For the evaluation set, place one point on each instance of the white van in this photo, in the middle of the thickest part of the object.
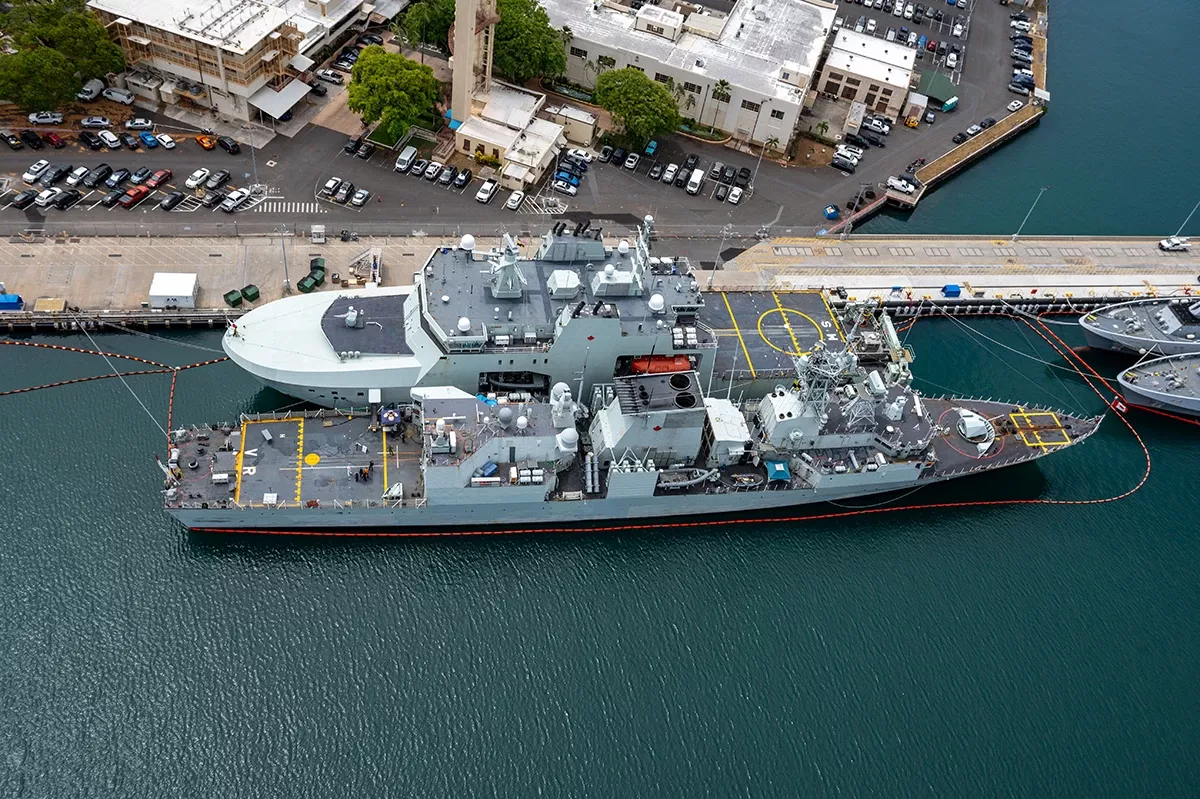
(91, 90)
(696, 181)
(404, 161)
(119, 95)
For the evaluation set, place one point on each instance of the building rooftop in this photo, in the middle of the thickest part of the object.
(508, 105)
(875, 59)
(760, 40)
(234, 25)
(532, 145)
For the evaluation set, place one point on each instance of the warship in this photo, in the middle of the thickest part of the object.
(648, 443)
(1171, 383)
(1163, 326)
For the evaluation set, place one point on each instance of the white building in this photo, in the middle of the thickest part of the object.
(869, 70)
(767, 51)
(238, 57)
(173, 290)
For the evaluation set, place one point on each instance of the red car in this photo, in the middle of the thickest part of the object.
(158, 178)
(54, 140)
(932, 46)
(134, 196)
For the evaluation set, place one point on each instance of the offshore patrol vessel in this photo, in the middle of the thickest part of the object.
(648, 443)
(1166, 326)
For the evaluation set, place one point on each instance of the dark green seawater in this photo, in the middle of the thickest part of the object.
(1045, 650)
(1026, 650)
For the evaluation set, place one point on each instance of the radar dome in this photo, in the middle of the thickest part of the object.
(468, 242)
(505, 416)
(522, 422)
(657, 303)
(609, 270)
(623, 247)
(464, 324)
(569, 437)
(560, 390)
(440, 425)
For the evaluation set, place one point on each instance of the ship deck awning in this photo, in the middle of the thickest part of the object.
(301, 63)
(276, 103)
(778, 470)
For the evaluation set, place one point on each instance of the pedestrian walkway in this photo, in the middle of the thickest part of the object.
(285, 207)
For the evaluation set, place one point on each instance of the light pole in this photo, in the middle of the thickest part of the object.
(1041, 191)
(857, 202)
(253, 160)
(287, 283)
(1189, 218)
(726, 234)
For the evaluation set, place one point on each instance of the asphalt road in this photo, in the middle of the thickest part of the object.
(786, 199)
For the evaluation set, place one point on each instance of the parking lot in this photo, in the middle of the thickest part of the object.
(879, 18)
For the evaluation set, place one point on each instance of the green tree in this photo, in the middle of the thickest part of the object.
(720, 91)
(80, 38)
(428, 22)
(527, 46)
(689, 102)
(392, 90)
(822, 128)
(39, 79)
(64, 27)
(643, 107)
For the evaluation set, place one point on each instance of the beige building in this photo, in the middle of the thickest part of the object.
(868, 70)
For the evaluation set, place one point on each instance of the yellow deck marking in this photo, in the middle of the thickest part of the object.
(786, 322)
(312, 459)
(299, 458)
(1037, 441)
(776, 347)
(837, 328)
(237, 489)
(738, 330)
(385, 459)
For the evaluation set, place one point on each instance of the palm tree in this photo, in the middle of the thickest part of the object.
(677, 92)
(771, 143)
(689, 102)
(822, 128)
(567, 34)
(590, 66)
(721, 89)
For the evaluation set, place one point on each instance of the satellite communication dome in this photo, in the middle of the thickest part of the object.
(440, 425)
(657, 303)
(522, 422)
(609, 270)
(505, 416)
(569, 437)
(445, 299)
(464, 324)
(468, 242)
(560, 390)
(623, 247)
(649, 220)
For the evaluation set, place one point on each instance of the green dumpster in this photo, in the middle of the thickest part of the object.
(250, 293)
(233, 298)
(306, 284)
(317, 263)
(318, 276)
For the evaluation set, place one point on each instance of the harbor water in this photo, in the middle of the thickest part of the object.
(1012, 650)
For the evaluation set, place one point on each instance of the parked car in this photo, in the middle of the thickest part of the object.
(360, 198)
(1017, 88)
(54, 140)
(582, 155)
(418, 168)
(841, 163)
(77, 175)
(735, 195)
(721, 193)
(1015, 105)
(606, 153)
(931, 46)
(217, 179)
(95, 122)
(343, 65)
(110, 139)
(45, 118)
(67, 198)
(951, 60)
(55, 174)
(874, 140)
(32, 140)
(172, 199)
(890, 36)
(212, 199)
(35, 171)
(847, 156)
(463, 178)
(875, 126)
(129, 140)
(856, 140)
(351, 147)
(141, 175)
(958, 31)
(488, 190)
(448, 175)
(229, 145)
(714, 171)
(565, 188)
(318, 88)
(618, 156)
(149, 140)
(112, 197)
(234, 199)
(12, 140)
(857, 152)
(987, 123)
(517, 197)
(329, 76)
(366, 150)
(1175, 244)
(90, 91)
(24, 199)
(329, 189)
(46, 196)
(159, 177)
(207, 142)
(90, 140)
(871, 25)
(434, 170)
(1021, 15)
(97, 176)
(197, 178)
(900, 185)
(117, 178)
(118, 96)
(369, 39)
(974, 130)
(743, 177)
(139, 123)
(656, 172)
(681, 180)
(632, 161)
(344, 193)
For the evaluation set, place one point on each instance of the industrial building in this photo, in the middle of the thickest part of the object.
(869, 70)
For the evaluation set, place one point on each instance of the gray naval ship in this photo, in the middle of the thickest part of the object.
(638, 448)
(1171, 384)
(1164, 326)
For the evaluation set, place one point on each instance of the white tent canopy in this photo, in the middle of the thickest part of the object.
(275, 104)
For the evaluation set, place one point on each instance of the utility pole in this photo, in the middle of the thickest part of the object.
(253, 161)
(287, 283)
(1041, 191)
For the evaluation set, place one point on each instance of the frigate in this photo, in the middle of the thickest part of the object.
(1162, 326)
(1171, 383)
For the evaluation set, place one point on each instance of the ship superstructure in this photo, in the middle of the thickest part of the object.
(640, 446)
(1166, 326)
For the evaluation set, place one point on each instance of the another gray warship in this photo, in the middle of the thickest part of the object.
(1170, 384)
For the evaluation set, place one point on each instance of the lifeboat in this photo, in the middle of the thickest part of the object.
(661, 364)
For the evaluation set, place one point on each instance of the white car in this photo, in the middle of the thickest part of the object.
(1019, 24)
(45, 118)
(47, 197)
(514, 200)
(912, 39)
(951, 60)
(958, 31)
(139, 123)
(166, 141)
(118, 95)
(735, 195)
(329, 76)
(898, 11)
(487, 191)
(562, 187)
(1016, 105)
(908, 11)
(197, 178)
(233, 200)
(433, 170)
(871, 26)
(853, 159)
(329, 189)
(850, 149)
(631, 162)
(1175, 244)
(77, 174)
(670, 172)
(95, 122)
(902, 186)
(582, 155)
(35, 172)
(110, 139)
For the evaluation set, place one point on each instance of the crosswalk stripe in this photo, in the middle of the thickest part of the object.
(280, 207)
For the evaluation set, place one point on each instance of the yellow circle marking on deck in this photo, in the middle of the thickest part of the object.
(789, 311)
(312, 459)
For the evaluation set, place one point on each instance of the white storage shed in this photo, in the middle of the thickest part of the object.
(173, 290)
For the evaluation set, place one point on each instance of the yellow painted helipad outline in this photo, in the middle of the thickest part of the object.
(784, 312)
